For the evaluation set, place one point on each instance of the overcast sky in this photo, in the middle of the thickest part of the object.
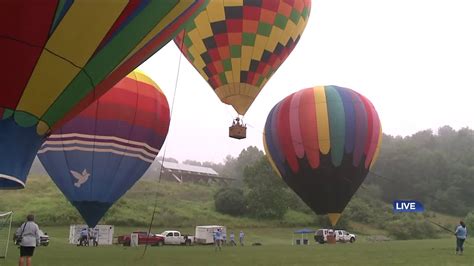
(414, 59)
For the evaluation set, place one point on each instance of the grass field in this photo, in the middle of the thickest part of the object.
(276, 249)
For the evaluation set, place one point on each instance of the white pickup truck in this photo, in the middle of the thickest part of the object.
(341, 236)
(176, 238)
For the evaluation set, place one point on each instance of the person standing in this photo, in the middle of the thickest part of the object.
(94, 236)
(224, 238)
(84, 237)
(28, 232)
(232, 239)
(461, 235)
(241, 237)
(218, 239)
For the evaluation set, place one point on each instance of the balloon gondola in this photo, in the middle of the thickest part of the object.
(238, 130)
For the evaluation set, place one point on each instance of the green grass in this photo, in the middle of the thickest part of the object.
(180, 205)
(276, 250)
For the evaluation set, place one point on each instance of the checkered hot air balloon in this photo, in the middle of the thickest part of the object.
(99, 154)
(322, 141)
(56, 57)
(237, 45)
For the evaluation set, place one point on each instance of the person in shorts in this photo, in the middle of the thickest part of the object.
(28, 232)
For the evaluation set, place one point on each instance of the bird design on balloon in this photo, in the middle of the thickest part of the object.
(81, 177)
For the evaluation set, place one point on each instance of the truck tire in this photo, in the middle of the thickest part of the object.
(352, 240)
(160, 243)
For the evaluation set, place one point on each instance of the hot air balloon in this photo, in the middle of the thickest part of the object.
(237, 45)
(322, 141)
(99, 154)
(56, 57)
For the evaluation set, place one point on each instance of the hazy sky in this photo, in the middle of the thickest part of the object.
(414, 59)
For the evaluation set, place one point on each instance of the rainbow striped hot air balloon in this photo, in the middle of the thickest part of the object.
(56, 57)
(322, 141)
(99, 154)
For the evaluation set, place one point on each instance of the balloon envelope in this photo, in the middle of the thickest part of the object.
(98, 155)
(237, 45)
(322, 142)
(57, 57)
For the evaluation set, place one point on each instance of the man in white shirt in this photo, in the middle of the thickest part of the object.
(241, 238)
(94, 236)
(218, 239)
(232, 239)
(84, 237)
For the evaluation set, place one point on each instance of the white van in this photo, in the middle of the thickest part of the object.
(205, 233)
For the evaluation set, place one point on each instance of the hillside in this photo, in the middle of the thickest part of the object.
(181, 205)
(177, 205)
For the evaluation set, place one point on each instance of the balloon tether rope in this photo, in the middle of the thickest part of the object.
(166, 146)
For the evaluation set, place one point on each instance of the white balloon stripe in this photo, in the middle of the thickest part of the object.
(76, 148)
(55, 137)
(101, 144)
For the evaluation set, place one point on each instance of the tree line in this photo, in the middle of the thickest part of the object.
(434, 168)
